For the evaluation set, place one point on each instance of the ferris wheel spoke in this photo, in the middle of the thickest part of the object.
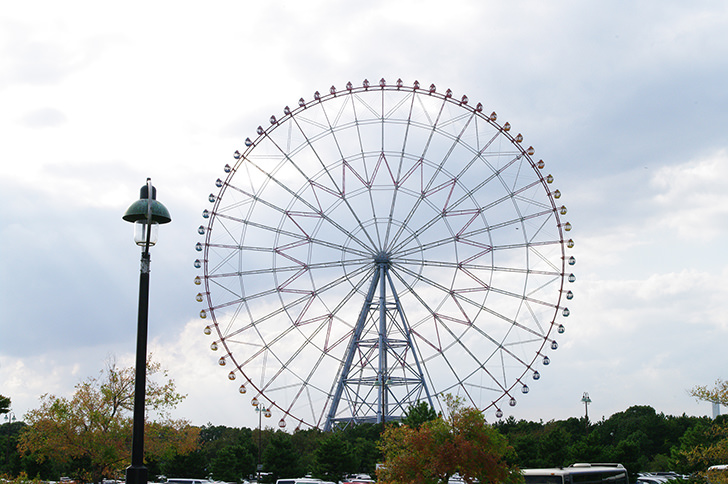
(367, 179)
(366, 274)
(508, 223)
(465, 237)
(503, 350)
(290, 268)
(458, 295)
(288, 305)
(254, 323)
(455, 141)
(435, 285)
(432, 129)
(263, 349)
(316, 212)
(298, 237)
(477, 155)
(436, 346)
(534, 250)
(476, 267)
(445, 215)
(483, 210)
(286, 364)
(442, 322)
(339, 189)
(305, 385)
(547, 283)
(402, 157)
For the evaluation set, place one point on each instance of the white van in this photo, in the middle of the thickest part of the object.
(300, 480)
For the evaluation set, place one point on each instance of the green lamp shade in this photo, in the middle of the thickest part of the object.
(138, 211)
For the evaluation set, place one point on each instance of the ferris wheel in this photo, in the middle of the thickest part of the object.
(381, 245)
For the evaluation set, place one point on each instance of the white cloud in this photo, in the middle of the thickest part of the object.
(692, 198)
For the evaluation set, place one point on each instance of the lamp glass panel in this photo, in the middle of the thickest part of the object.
(140, 233)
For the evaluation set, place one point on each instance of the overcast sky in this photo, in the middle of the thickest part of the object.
(626, 101)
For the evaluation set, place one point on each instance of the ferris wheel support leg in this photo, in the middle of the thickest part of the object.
(408, 334)
(351, 350)
(382, 373)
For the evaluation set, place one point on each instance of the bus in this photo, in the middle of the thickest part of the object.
(578, 474)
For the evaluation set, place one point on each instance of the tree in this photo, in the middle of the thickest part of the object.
(4, 404)
(227, 453)
(304, 443)
(713, 448)
(418, 414)
(332, 458)
(704, 446)
(232, 463)
(717, 394)
(461, 443)
(10, 459)
(280, 459)
(92, 429)
(365, 454)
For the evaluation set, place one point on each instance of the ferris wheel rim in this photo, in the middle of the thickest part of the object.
(289, 114)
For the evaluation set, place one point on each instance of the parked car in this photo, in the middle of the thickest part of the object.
(650, 479)
(188, 480)
(358, 479)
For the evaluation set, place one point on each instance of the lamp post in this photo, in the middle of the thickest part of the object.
(260, 408)
(586, 401)
(146, 214)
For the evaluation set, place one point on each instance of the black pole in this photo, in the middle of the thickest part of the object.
(258, 465)
(137, 473)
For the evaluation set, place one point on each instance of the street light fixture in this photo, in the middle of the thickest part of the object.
(586, 401)
(146, 214)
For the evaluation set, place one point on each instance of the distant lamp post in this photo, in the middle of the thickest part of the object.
(586, 401)
(260, 408)
(146, 214)
(9, 417)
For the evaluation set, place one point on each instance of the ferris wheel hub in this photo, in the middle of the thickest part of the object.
(382, 258)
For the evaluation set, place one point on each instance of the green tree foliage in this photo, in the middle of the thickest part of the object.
(230, 453)
(712, 447)
(226, 465)
(305, 443)
(212, 458)
(418, 414)
(639, 438)
(280, 459)
(462, 443)
(11, 463)
(365, 453)
(4, 404)
(92, 429)
(333, 458)
(704, 446)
